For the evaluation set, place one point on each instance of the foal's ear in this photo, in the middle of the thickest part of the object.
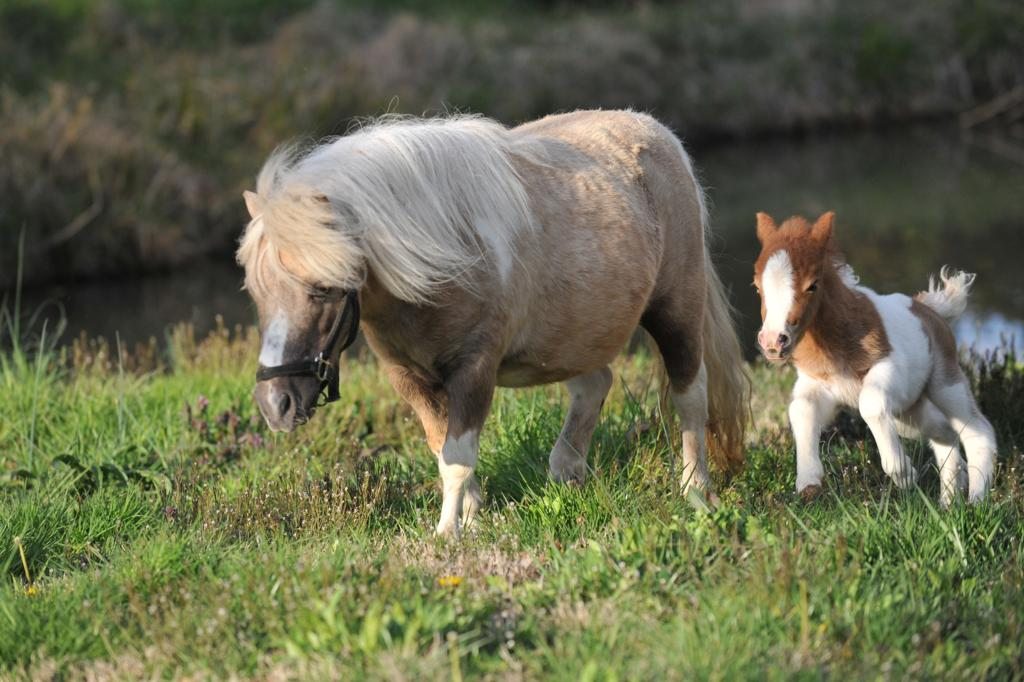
(253, 202)
(765, 227)
(822, 229)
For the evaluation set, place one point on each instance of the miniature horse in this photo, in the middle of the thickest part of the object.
(479, 256)
(893, 357)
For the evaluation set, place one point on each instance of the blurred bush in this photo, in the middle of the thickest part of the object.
(131, 127)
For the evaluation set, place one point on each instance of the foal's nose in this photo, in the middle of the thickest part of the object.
(773, 342)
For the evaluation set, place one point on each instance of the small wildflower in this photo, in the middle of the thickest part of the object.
(449, 581)
(31, 590)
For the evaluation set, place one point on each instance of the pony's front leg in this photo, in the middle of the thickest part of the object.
(469, 390)
(877, 408)
(811, 409)
(567, 462)
(430, 402)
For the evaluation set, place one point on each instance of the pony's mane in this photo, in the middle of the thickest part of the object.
(845, 271)
(799, 230)
(421, 202)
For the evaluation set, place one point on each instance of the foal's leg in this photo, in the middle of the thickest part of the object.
(430, 404)
(877, 407)
(930, 422)
(810, 411)
(568, 459)
(469, 389)
(956, 402)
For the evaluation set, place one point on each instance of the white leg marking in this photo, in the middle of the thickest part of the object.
(976, 433)
(777, 287)
(274, 338)
(927, 420)
(456, 463)
(471, 500)
(472, 497)
(980, 443)
(950, 463)
(568, 459)
(876, 404)
(692, 406)
(811, 410)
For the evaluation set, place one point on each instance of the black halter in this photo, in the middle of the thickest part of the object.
(321, 367)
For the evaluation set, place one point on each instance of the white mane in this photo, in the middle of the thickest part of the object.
(419, 201)
(846, 273)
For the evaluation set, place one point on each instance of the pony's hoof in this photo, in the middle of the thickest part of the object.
(702, 498)
(906, 480)
(572, 473)
(809, 493)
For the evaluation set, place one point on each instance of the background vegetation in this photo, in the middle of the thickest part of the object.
(131, 126)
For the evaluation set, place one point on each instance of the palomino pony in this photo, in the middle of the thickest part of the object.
(480, 256)
(893, 357)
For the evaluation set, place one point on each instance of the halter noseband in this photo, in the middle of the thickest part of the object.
(321, 367)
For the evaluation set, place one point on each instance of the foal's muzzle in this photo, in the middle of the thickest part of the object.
(775, 346)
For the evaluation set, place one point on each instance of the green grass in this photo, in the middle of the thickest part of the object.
(148, 531)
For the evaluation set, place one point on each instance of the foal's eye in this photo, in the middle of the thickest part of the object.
(813, 287)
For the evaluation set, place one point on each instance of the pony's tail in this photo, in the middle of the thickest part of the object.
(728, 386)
(948, 296)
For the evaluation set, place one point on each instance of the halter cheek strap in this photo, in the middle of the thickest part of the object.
(322, 367)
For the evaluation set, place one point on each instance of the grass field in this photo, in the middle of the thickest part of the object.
(150, 526)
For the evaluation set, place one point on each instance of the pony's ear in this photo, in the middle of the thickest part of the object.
(253, 202)
(822, 229)
(765, 227)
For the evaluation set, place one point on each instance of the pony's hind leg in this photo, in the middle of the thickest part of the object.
(927, 420)
(691, 403)
(679, 339)
(568, 459)
(979, 440)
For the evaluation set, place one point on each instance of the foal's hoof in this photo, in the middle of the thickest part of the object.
(810, 493)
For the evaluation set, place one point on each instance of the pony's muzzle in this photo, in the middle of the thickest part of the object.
(280, 403)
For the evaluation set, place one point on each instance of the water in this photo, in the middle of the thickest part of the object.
(907, 202)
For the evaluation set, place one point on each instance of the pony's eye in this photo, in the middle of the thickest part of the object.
(319, 293)
(813, 287)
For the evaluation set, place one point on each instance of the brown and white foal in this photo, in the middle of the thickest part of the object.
(893, 357)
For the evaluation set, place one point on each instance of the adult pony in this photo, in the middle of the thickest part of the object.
(479, 256)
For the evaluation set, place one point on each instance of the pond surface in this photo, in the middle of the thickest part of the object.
(907, 202)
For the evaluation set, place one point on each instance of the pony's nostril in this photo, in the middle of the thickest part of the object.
(783, 340)
(283, 404)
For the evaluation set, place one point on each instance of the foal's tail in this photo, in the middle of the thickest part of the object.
(948, 297)
(728, 384)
